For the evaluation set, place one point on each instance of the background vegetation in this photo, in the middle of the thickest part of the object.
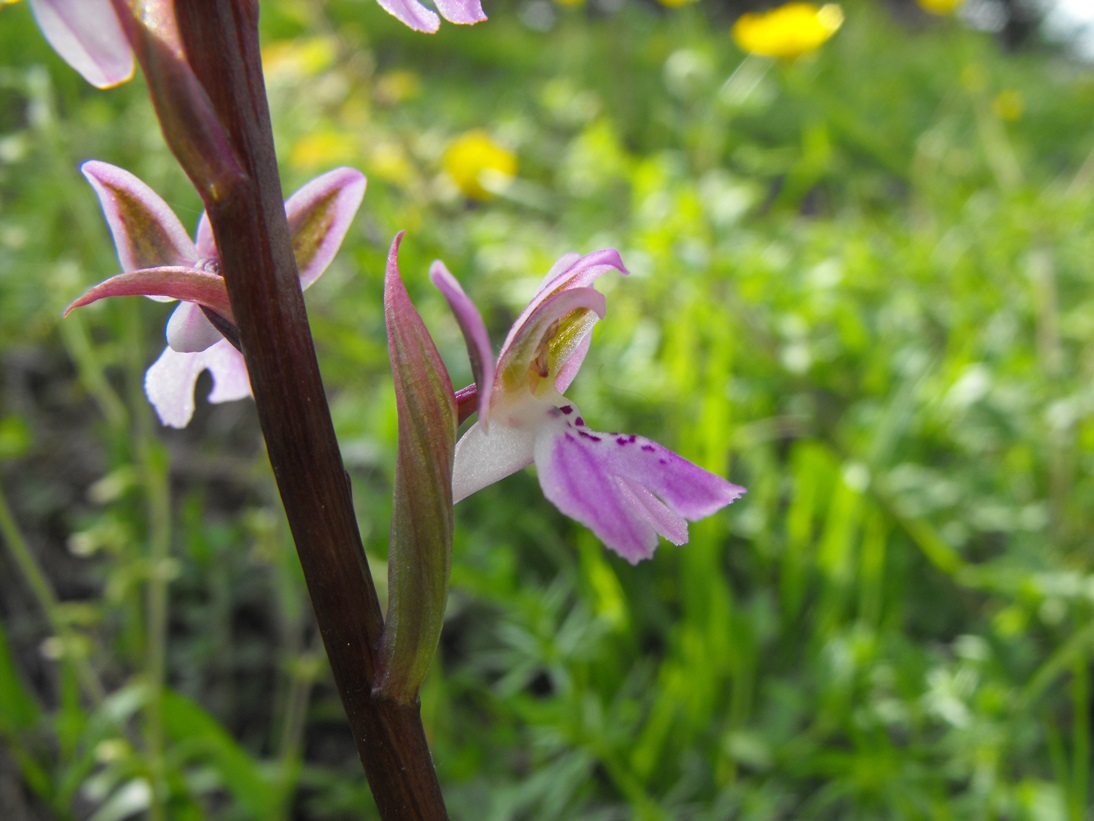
(860, 287)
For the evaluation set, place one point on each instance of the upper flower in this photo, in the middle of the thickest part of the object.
(940, 6)
(788, 31)
(161, 260)
(626, 488)
(419, 18)
(88, 36)
(478, 165)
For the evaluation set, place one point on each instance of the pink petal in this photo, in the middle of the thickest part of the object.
(419, 18)
(571, 271)
(230, 378)
(670, 525)
(562, 264)
(88, 36)
(188, 330)
(319, 215)
(412, 14)
(474, 334)
(146, 231)
(625, 488)
(170, 382)
(204, 240)
(461, 11)
(188, 284)
(572, 364)
(558, 326)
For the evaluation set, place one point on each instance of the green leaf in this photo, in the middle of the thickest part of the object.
(204, 737)
(18, 708)
(420, 551)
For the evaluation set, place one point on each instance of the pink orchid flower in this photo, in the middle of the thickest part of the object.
(161, 261)
(418, 17)
(88, 36)
(627, 489)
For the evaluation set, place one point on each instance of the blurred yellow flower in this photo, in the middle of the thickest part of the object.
(324, 148)
(940, 6)
(675, 4)
(974, 78)
(389, 160)
(398, 86)
(301, 57)
(1008, 105)
(478, 165)
(788, 31)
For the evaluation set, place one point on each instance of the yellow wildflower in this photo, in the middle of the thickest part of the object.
(974, 78)
(478, 165)
(940, 6)
(1008, 105)
(788, 31)
(294, 59)
(324, 148)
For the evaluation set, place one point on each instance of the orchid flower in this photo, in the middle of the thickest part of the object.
(161, 261)
(418, 17)
(88, 36)
(627, 489)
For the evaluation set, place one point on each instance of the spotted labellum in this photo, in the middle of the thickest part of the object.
(627, 489)
(161, 261)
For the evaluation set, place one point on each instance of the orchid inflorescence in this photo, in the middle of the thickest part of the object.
(625, 488)
(241, 316)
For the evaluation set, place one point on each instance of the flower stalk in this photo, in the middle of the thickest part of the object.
(260, 273)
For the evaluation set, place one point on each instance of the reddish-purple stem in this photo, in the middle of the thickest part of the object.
(248, 218)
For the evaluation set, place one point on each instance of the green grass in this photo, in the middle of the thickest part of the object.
(857, 290)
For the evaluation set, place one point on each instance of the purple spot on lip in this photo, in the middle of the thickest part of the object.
(567, 409)
(662, 461)
(631, 438)
(588, 436)
(580, 421)
(622, 440)
(649, 448)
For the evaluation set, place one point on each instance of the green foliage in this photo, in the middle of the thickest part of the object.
(860, 288)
